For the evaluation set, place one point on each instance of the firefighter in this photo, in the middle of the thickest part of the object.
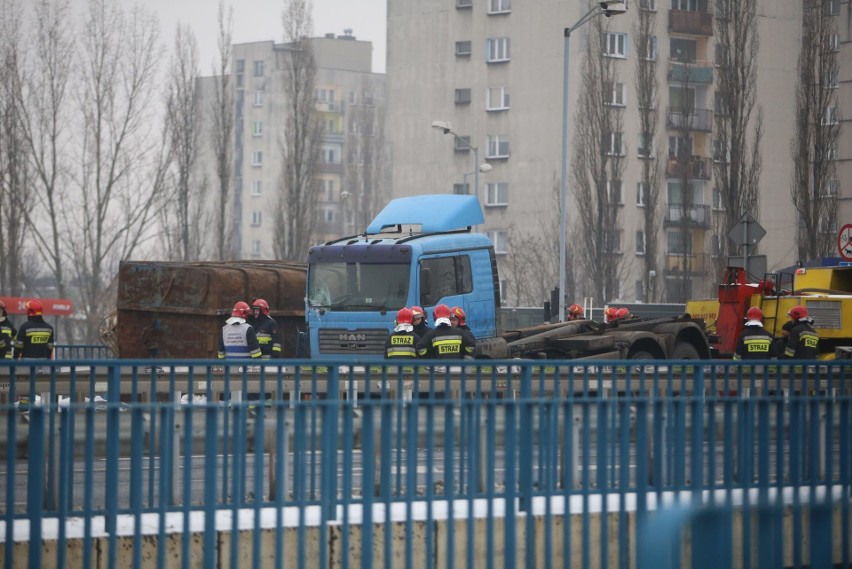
(623, 313)
(403, 341)
(611, 314)
(575, 312)
(420, 324)
(444, 341)
(7, 333)
(35, 338)
(457, 319)
(266, 330)
(238, 339)
(780, 343)
(803, 343)
(755, 342)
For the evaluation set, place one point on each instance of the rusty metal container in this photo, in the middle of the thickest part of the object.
(177, 309)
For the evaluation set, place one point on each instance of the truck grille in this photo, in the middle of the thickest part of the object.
(362, 341)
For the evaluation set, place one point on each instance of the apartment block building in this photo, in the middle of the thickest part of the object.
(493, 70)
(349, 99)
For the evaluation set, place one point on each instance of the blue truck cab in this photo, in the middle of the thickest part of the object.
(418, 251)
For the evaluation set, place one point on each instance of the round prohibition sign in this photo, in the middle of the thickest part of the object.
(844, 242)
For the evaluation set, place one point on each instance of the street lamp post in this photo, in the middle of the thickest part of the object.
(448, 129)
(607, 8)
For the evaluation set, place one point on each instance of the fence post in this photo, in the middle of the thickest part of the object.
(112, 451)
(35, 486)
(329, 437)
(526, 462)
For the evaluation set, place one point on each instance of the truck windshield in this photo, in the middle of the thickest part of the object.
(356, 286)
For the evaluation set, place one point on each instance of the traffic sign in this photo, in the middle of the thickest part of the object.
(844, 242)
(747, 231)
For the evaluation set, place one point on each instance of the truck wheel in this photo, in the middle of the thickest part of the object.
(685, 351)
(642, 355)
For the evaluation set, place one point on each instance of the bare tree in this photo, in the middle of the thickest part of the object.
(183, 216)
(118, 184)
(532, 261)
(300, 140)
(817, 128)
(366, 163)
(737, 132)
(222, 140)
(645, 81)
(597, 166)
(46, 100)
(14, 163)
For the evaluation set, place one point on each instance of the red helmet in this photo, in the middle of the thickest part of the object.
(404, 316)
(754, 313)
(457, 312)
(262, 305)
(611, 314)
(34, 308)
(798, 312)
(441, 311)
(623, 312)
(3, 306)
(418, 311)
(575, 311)
(241, 310)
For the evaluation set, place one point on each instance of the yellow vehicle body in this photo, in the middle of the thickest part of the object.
(826, 292)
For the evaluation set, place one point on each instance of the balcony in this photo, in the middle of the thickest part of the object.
(696, 72)
(696, 22)
(694, 120)
(695, 168)
(697, 216)
(691, 264)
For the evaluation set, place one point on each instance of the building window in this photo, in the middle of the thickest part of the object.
(460, 189)
(641, 194)
(830, 80)
(651, 51)
(461, 144)
(499, 6)
(329, 156)
(500, 239)
(497, 194)
(650, 5)
(257, 188)
(718, 202)
(462, 96)
(678, 242)
(497, 99)
(353, 97)
(721, 153)
(463, 48)
(329, 186)
(829, 117)
(680, 145)
(832, 188)
(615, 94)
(831, 152)
(258, 68)
(615, 44)
(640, 242)
(834, 42)
(645, 145)
(240, 82)
(256, 158)
(460, 4)
(639, 286)
(613, 143)
(241, 66)
(612, 241)
(258, 129)
(255, 218)
(832, 8)
(496, 50)
(255, 247)
(682, 50)
(686, 5)
(615, 191)
(498, 146)
(258, 98)
(329, 216)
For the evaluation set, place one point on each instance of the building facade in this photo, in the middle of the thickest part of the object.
(493, 70)
(349, 102)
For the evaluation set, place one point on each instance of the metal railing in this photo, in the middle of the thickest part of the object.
(428, 464)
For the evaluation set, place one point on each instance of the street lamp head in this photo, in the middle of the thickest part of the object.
(443, 125)
(485, 168)
(613, 7)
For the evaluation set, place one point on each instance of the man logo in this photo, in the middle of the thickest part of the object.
(352, 337)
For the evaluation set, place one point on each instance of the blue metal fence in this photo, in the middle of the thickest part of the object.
(504, 464)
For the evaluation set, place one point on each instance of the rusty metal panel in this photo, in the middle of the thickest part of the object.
(176, 310)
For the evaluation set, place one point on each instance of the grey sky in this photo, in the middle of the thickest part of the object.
(258, 20)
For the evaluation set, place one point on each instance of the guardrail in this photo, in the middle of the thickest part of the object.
(499, 463)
